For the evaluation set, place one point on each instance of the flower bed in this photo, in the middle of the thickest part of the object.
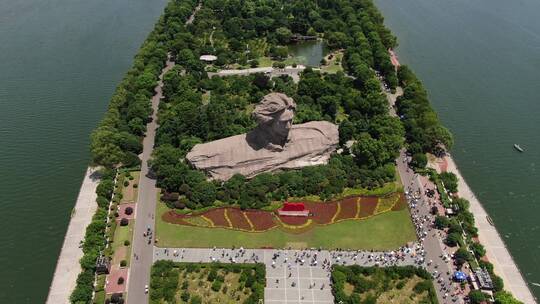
(238, 220)
(401, 203)
(322, 212)
(348, 209)
(368, 205)
(261, 220)
(294, 220)
(217, 216)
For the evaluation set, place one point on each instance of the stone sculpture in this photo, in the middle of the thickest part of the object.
(275, 144)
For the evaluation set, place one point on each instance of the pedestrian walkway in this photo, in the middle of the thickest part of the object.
(68, 267)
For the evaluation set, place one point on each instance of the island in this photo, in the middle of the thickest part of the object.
(219, 126)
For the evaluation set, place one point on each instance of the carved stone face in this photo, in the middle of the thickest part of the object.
(282, 123)
(275, 114)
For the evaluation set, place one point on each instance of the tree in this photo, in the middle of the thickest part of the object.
(450, 181)
(283, 35)
(453, 239)
(441, 222)
(478, 249)
(462, 256)
(504, 297)
(204, 193)
(477, 297)
(419, 160)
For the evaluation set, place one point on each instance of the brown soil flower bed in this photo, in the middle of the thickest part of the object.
(217, 216)
(174, 218)
(237, 219)
(368, 205)
(348, 208)
(401, 204)
(261, 220)
(322, 212)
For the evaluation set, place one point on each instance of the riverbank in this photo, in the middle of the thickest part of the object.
(496, 251)
(68, 267)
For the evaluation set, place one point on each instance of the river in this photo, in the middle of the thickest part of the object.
(480, 62)
(60, 62)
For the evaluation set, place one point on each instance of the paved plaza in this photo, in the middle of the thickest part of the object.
(294, 276)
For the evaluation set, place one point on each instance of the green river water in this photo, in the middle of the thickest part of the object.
(480, 61)
(60, 61)
(59, 64)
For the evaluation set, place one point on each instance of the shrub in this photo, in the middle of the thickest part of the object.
(170, 196)
(127, 243)
(419, 160)
(128, 211)
(135, 186)
(126, 183)
(450, 181)
(216, 286)
(123, 263)
(196, 300)
(179, 205)
(462, 256)
(441, 222)
(115, 298)
(120, 280)
(477, 297)
(185, 296)
(453, 239)
(254, 63)
(478, 249)
(131, 177)
(124, 222)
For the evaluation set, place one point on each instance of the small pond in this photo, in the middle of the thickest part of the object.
(308, 53)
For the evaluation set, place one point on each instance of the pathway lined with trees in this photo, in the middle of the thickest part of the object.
(142, 253)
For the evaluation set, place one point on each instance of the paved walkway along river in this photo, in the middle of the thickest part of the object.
(68, 267)
(496, 251)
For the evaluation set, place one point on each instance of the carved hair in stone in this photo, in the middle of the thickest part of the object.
(274, 114)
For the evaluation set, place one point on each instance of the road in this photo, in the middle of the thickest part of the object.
(142, 252)
(293, 72)
(141, 260)
(433, 244)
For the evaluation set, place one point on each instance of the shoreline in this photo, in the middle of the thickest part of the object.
(67, 266)
(496, 250)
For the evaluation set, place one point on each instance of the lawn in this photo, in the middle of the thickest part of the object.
(129, 193)
(122, 234)
(382, 232)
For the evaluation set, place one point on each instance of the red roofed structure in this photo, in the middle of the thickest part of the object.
(293, 209)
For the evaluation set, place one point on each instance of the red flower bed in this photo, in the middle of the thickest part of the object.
(217, 216)
(174, 218)
(401, 203)
(261, 220)
(322, 212)
(237, 219)
(294, 220)
(348, 208)
(368, 205)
